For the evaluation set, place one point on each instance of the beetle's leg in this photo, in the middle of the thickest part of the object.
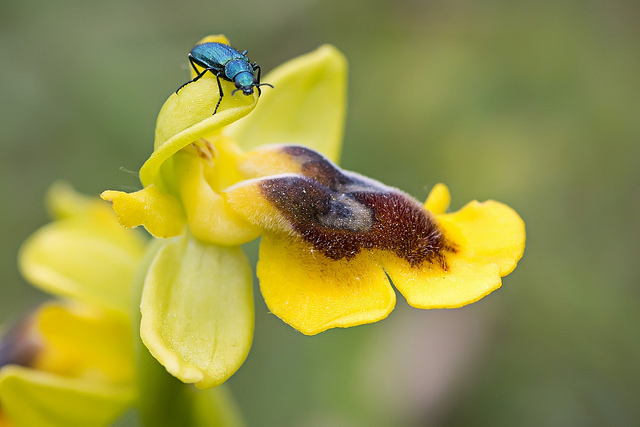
(257, 84)
(221, 94)
(198, 74)
(256, 67)
(194, 79)
(192, 64)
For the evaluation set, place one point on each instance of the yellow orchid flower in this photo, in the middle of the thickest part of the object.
(197, 302)
(72, 362)
(67, 365)
(331, 240)
(181, 184)
(332, 237)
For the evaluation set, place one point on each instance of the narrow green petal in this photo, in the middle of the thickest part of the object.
(34, 398)
(197, 310)
(307, 105)
(89, 260)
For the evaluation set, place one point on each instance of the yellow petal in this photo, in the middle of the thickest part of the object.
(438, 199)
(197, 310)
(78, 342)
(160, 213)
(494, 233)
(35, 398)
(488, 239)
(431, 287)
(210, 218)
(313, 293)
(88, 259)
(307, 105)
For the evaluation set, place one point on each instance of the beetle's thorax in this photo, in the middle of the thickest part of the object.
(235, 67)
(241, 73)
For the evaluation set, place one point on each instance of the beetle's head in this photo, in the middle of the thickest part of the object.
(244, 82)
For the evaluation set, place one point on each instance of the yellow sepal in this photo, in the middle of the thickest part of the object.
(197, 310)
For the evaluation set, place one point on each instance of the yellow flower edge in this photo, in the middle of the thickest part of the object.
(493, 232)
(489, 239)
(80, 372)
(313, 293)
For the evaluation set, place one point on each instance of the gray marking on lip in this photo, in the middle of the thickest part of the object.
(346, 213)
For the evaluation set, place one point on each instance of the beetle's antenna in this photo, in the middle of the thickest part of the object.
(262, 84)
(256, 86)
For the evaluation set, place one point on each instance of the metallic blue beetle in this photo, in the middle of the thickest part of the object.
(225, 62)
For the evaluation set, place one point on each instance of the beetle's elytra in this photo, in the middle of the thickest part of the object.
(227, 63)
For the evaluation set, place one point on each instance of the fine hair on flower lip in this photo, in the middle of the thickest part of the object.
(376, 220)
(341, 213)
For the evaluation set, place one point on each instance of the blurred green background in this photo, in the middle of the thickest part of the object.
(536, 104)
